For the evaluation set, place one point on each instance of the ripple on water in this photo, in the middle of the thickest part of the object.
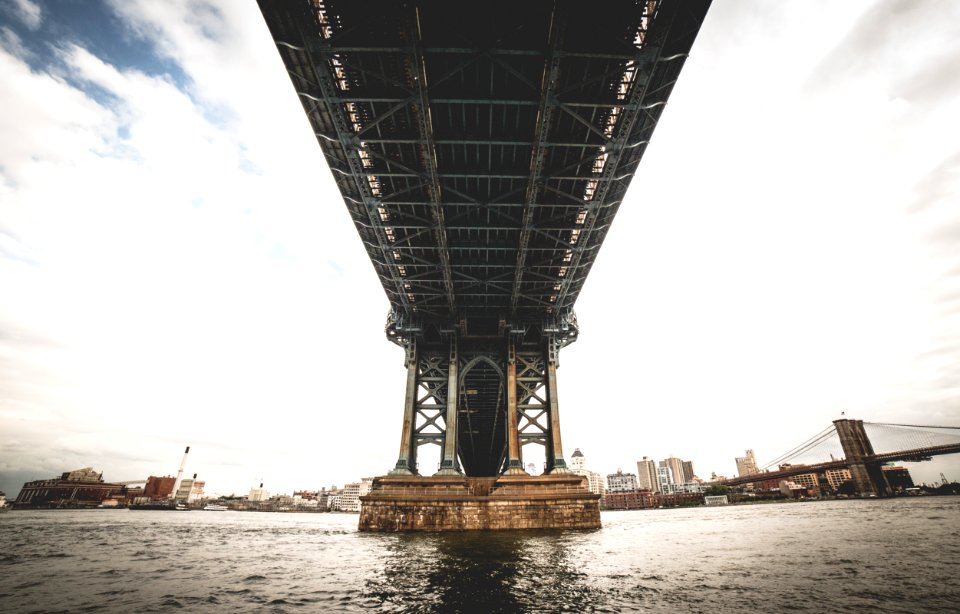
(732, 559)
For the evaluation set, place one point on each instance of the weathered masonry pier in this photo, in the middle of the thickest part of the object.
(482, 150)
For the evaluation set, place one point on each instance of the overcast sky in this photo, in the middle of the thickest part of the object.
(177, 267)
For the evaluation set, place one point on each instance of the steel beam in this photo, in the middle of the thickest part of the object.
(405, 462)
(555, 453)
(449, 464)
(548, 86)
(514, 464)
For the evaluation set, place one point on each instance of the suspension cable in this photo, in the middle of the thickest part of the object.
(915, 426)
(803, 447)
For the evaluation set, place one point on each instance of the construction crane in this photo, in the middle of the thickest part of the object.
(176, 485)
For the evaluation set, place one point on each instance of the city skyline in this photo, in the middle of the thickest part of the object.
(180, 270)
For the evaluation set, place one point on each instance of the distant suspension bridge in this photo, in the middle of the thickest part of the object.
(862, 448)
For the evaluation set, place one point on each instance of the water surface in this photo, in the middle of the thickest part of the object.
(900, 555)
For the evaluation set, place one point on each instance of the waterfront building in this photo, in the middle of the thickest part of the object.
(190, 489)
(620, 481)
(647, 475)
(327, 496)
(715, 500)
(836, 477)
(82, 488)
(258, 494)
(694, 487)
(196, 491)
(645, 499)
(630, 500)
(676, 469)
(299, 502)
(350, 497)
(747, 465)
(366, 484)
(792, 490)
(158, 488)
(665, 480)
(679, 499)
(898, 478)
(578, 466)
(595, 483)
(810, 481)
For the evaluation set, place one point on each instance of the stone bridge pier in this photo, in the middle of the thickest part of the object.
(857, 449)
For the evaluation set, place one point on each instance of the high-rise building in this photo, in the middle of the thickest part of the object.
(577, 460)
(665, 479)
(578, 466)
(620, 481)
(647, 475)
(676, 468)
(747, 465)
(688, 473)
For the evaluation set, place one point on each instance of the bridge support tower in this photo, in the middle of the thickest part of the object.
(482, 400)
(867, 475)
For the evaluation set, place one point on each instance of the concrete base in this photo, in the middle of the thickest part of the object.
(458, 503)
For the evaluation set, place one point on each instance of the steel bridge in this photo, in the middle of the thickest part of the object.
(482, 150)
(902, 442)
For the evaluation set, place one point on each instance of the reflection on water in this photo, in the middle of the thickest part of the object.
(508, 571)
(898, 555)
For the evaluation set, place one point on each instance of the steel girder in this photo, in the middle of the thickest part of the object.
(481, 147)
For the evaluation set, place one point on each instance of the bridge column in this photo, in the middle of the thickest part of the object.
(555, 461)
(405, 462)
(857, 449)
(449, 464)
(514, 464)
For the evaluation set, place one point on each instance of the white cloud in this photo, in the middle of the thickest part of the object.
(784, 255)
(188, 297)
(28, 12)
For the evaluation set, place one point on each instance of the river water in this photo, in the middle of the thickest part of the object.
(900, 555)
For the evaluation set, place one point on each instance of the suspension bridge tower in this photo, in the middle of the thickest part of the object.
(867, 474)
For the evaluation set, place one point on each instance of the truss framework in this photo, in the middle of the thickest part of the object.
(482, 150)
(481, 403)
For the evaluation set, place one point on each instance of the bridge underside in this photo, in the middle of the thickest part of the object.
(482, 150)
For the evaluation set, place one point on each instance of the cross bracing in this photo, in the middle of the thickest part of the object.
(483, 149)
